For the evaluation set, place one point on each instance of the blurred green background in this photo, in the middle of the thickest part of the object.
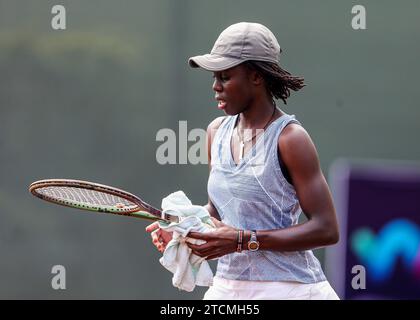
(87, 102)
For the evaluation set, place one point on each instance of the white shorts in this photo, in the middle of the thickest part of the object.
(224, 289)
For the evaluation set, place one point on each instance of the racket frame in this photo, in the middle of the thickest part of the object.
(144, 210)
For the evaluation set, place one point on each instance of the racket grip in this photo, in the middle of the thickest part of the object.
(169, 217)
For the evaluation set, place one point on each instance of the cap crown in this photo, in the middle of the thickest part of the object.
(247, 41)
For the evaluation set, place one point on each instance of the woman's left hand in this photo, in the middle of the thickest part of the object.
(220, 241)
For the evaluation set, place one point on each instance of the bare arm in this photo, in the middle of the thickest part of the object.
(211, 131)
(321, 229)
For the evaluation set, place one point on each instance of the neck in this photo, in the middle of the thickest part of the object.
(256, 117)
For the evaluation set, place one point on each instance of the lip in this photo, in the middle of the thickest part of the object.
(221, 102)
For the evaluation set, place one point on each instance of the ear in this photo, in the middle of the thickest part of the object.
(255, 78)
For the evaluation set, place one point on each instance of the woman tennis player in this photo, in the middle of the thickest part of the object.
(264, 172)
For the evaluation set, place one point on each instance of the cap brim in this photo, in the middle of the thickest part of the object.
(212, 62)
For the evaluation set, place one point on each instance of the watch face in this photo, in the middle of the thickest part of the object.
(253, 246)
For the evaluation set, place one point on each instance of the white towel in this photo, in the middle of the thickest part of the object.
(188, 269)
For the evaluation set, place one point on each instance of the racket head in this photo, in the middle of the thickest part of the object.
(93, 197)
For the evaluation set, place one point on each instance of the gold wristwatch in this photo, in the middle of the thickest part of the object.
(253, 244)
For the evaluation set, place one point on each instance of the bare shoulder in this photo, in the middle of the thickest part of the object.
(297, 148)
(212, 128)
(211, 131)
(215, 124)
(294, 135)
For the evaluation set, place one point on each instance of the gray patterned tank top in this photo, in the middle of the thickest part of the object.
(254, 195)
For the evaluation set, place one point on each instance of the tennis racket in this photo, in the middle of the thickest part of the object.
(96, 197)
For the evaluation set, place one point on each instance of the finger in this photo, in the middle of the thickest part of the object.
(152, 227)
(192, 246)
(199, 247)
(198, 253)
(198, 235)
(216, 222)
(162, 247)
(215, 256)
(202, 252)
(158, 232)
(155, 237)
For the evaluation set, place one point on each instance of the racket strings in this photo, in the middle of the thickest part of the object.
(86, 197)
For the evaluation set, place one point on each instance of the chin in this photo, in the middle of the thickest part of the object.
(231, 112)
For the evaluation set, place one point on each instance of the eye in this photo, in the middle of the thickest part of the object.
(221, 77)
(224, 77)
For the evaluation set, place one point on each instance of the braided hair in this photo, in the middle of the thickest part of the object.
(278, 81)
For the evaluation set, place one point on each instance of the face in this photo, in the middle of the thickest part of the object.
(234, 89)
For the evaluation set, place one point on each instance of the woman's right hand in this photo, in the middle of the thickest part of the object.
(160, 237)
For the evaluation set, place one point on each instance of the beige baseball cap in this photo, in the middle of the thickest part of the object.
(239, 42)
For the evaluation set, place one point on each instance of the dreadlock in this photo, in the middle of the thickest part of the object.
(279, 82)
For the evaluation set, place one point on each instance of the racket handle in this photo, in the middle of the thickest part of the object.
(169, 217)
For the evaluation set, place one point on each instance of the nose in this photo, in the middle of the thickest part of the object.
(217, 86)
